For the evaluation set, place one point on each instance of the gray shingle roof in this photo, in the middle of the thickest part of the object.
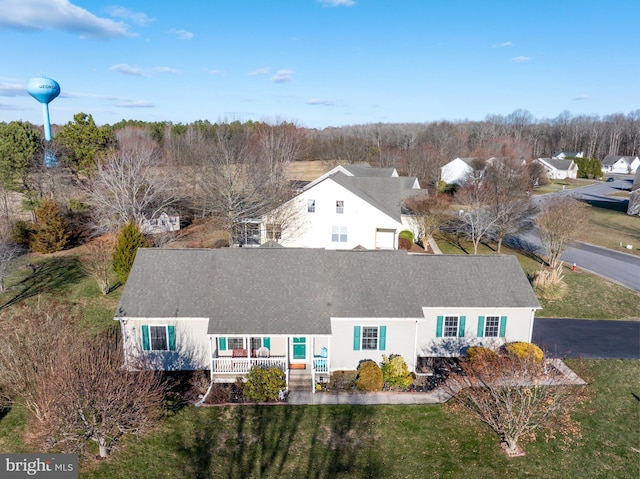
(386, 194)
(611, 159)
(365, 170)
(297, 291)
(558, 164)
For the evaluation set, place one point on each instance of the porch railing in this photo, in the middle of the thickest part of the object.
(243, 365)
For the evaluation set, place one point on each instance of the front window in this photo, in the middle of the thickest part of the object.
(370, 337)
(158, 338)
(235, 343)
(311, 206)
(340, 206)
(339, 234)
(491, 326)
(451, 326)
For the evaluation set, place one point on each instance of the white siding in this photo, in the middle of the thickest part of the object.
(192, 344)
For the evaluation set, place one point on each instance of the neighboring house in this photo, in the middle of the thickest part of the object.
(558, 169)
(457, 171)
(460, 170)
(318, 311)
(350, 206)
(563, 155)
(160, 224)
(620, 164)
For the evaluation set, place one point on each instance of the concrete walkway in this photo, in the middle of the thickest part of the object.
(437, 396)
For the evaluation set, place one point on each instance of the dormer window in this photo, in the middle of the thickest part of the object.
(340, 206)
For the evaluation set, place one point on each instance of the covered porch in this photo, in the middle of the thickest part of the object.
(233, 356)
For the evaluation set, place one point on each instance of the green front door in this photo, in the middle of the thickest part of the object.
(300, 348)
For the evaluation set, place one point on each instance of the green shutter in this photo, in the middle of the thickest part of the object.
(503, 326)
(461, 324)
(146, 343)
(222, 344)
(171, 332)
(439, 324)
(382, 345)
(356, 338)
(266, 342)
(480, 326)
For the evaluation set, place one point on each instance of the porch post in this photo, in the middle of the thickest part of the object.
(286, 362)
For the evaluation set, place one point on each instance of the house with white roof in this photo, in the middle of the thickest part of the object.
(349, 206)
(316, 311)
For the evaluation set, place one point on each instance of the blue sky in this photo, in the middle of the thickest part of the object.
(320, 63)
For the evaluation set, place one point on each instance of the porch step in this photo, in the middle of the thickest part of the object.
(300, 381)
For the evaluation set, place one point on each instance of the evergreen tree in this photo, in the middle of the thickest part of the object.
(129, 240)
(50, 230)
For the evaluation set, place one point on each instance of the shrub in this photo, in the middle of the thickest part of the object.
(21, 233)
(395, 372)
(264, 384)
(523, 350)
(369, 377)
(405, 239)
(479, 353)
(129, 240)
(49, 233)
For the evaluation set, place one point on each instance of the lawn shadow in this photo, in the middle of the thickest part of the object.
(53, 274)
(612, 205)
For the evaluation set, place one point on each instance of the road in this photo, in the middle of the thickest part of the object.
(592, 339)
(622, 268)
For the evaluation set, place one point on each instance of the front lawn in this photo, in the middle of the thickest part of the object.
(387, 441)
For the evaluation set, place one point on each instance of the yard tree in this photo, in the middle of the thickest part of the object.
(130, 183)
(50, 232)
(97, 400)
(561, 220)
(9, 250)
(509, 197)
(20, 148)
(97, 258)
(231, 179)
(84, 142)
(477, 218)
(129, 240)
(73, 383)
(429, 213)
(515, 395)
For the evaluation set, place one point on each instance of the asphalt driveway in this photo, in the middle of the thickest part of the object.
(593, 339)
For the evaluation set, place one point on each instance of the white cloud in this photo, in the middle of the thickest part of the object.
(581, 97)
(128, 70)
(138, 18)
(134, 104)
(501, 45)
(215, 72)
(521, 59)
(283, 76)
(182, 34)
(260, 71)
(337, 3)
(61, 15)
(318, 101)
(13, 89)
(165, 70)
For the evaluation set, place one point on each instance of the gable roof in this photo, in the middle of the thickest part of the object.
(289, 291)
(360, 170)
(384, 193)
(557, 164)
(612, 159)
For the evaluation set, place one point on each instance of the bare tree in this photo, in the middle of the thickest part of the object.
(73, 384)
(428, 214)
(477, 218)
(97, 400)
(561, 220)
(515, 396)
(8, 251)
(97, 258)
(508, 187)
(131, 184)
